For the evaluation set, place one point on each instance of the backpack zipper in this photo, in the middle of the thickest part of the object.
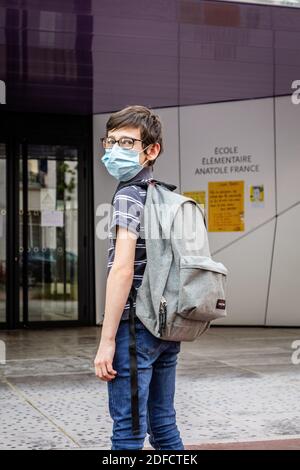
(162, 315)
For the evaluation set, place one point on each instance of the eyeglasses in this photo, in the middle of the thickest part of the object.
(123, 142)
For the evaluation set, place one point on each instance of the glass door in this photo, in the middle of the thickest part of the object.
(46, 221)
(2, 233)
(48, 233)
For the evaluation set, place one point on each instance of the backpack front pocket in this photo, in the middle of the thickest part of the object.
(202, 284)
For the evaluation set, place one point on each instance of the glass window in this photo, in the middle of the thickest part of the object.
(2, 233)
(52, 248)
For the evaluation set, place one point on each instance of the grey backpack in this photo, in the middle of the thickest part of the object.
(183, 289)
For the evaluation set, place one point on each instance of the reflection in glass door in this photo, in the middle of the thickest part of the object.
(2, 233)
(48, 227)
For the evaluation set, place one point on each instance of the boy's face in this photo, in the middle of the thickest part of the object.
(152, 150)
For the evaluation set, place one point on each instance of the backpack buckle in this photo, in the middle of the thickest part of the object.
(162, 315)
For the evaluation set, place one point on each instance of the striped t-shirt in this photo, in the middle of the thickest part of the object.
(128, 207)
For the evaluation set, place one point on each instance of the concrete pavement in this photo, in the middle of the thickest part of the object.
(236, 388)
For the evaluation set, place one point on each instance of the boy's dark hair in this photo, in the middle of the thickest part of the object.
(141, 118)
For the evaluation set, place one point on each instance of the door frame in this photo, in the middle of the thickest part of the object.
(18, 130)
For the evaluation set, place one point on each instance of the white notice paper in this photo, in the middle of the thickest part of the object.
(52, 219)
(48, 199)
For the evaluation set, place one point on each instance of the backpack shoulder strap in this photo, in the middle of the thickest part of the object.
(143, 184)
(169, 186)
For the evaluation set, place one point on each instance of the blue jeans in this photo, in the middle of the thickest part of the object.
(156, 361)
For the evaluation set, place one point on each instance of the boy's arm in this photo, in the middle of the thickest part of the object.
(118, 286)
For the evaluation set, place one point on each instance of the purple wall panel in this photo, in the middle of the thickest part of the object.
(91, 56)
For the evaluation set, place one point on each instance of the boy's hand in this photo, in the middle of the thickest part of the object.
(103, 360)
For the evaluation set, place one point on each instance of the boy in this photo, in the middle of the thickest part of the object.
(132, 143)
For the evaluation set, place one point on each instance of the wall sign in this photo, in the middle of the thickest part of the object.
(226, 206)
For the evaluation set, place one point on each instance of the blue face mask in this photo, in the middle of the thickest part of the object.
(121, 163)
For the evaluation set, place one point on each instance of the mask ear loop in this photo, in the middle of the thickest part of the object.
(145, 154)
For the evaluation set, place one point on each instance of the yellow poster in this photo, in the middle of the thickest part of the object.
(226, 206)
(198, 196)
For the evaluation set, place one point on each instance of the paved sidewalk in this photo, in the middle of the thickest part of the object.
(278, 444)
(236, 388)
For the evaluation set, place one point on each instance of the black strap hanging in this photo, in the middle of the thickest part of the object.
(133, 365)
